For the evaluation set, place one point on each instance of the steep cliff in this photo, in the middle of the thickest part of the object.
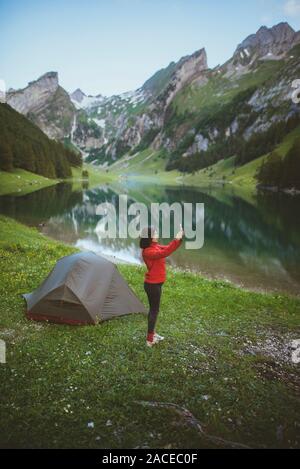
(47, 104)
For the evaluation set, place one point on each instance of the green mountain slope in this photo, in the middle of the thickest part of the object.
(156, 84)
(245, 115)
(225, 171)
(24, 145)
(150, 165)
(21, 182)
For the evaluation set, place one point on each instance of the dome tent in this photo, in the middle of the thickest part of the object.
(82, 288)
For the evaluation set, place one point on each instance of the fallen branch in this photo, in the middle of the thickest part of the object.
(194, 423)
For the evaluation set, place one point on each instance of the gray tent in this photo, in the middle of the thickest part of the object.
(83, 288)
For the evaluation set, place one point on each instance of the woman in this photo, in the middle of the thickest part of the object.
(154, 256)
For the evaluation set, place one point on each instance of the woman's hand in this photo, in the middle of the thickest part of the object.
(180, 234)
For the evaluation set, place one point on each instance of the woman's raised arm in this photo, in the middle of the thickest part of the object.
(152, 254)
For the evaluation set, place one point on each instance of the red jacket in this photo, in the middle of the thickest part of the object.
(154, 258)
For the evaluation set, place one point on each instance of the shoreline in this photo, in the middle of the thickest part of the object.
(211, 276)
(195, 272)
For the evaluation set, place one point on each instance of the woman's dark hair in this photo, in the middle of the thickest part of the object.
(146, 237)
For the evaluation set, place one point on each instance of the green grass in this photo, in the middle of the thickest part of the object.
(288, 142)
(241, 177)
(58, 379)
(148, 165)
(22, 182)
(220, 90)
(96, 175)
(225, 172)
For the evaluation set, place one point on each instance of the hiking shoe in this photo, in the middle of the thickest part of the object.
(158, 337)
(154, 342)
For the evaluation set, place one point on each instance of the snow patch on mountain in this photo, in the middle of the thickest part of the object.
(88, 102)
(99, 122)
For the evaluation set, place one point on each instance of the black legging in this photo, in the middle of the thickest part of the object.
(153, 291)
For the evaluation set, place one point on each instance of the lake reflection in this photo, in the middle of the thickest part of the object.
(255, 244)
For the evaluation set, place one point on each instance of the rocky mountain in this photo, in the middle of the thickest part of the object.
(246, 100)
(196, 116)
(47, 104)
(78, 96)
(135, 118)
(268, 43)
(82, 101)
(192, 115)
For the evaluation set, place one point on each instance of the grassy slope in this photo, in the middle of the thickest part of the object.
(148, 165)
(220, 90)
(207, 100)
(22, 182)
(243, 176)
(96, 175)
(59, 378)
(225, 171)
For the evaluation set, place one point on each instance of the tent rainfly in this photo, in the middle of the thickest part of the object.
(83, 288)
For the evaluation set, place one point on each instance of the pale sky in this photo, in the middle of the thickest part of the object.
(112, 46)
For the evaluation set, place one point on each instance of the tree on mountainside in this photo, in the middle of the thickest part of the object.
(27, 147)
(74, 158)
(291, 169)
(281, 172)
(17, 150)
(6, 157)
(271, 170)
(62, 166)
(29, 158)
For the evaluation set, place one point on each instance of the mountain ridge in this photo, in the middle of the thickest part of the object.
(46, 103)
(194, 114)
